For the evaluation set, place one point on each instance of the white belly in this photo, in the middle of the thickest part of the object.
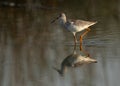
(74, 28)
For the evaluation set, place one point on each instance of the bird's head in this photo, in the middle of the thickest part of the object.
(61, 16)
(59, 71)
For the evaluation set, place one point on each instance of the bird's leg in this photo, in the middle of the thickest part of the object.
(81, 37)
(75, 39)
(85, 52)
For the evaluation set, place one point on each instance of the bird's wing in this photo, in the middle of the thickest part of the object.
(81, 22)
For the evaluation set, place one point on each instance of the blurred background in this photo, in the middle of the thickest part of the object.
(30, 46)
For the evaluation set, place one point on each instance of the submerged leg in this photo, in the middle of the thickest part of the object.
(81, 37)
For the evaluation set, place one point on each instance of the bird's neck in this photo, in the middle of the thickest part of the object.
(63, 21)
(63, 68)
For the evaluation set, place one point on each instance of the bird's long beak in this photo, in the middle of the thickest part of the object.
(55, 19)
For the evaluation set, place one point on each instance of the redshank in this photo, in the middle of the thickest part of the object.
(74, 26)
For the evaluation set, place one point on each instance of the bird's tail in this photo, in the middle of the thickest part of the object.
(93, 23)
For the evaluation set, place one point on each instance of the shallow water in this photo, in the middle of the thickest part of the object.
(30, 46)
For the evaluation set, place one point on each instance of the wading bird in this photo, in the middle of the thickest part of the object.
(74, 26)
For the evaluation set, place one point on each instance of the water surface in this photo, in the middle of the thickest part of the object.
(30, 46)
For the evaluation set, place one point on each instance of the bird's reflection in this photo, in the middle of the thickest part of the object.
(74, 60)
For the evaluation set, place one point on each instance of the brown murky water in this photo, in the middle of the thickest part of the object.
(30, 46)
